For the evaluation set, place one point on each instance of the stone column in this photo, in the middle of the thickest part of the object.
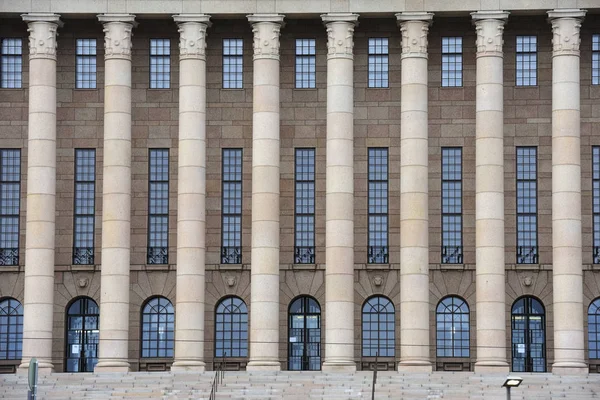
(489, 193)
(339, 217)
(191, 193)
(116, 194)
(567, 273)
(264, 290)
(414, 195)
(41, 191)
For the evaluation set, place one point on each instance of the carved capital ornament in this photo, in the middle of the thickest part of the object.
(489, 26)
(340, 34)
(117, 35)
(266, 29)
(42, 30)
(414, 28)
(566, 26)
(192, 35)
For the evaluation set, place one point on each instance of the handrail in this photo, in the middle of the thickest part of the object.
(217, 380)
(375, 375)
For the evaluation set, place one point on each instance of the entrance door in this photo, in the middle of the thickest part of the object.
(82, 335)
(304, 339)
(528, 335)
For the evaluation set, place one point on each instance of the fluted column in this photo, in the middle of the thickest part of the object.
(191, 193)
(41, 191)
(116, 194)
(567, 274)
(414, 195)
(264, 295)
(489, 193)
(339, 197)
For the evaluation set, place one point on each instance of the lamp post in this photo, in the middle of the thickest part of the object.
(511, 382)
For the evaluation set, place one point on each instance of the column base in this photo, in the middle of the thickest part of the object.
(415, 366)
(492, 367)
(112, 366)
(198, 366)
(570, 368)
(341, 366)
(263, 366)
(44, 368)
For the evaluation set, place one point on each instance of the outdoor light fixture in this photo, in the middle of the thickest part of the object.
(511, 382)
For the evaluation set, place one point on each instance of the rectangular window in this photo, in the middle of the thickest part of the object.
(160, 63)
(378, 206)
(526, 60)
(231, 239)
(84, 209)
(233, 63)
(452, 61)
(158, 212)
(595, 59)
(11, 66)
(527, 248)
(304, 250)
(86, 64)
(596, 201)
(10, 192)
(452, 205)
(378, 63)
(305, 64)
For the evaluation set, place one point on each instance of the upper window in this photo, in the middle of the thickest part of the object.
(378, 62)
(11, 67)
(526, 60)
(305, 64)
(452, 205)
(527, 249)
(160, 63)
(378, 206)
(452, 327)
(378, 327)
(233, 63)
(595, 59)
(158, 328)
(304, 251)
(86, 64)
(10, 198)
(452, 61)
(84, 210)
(231, 210)
(11, 329)
(594, 329)
(231, 328)
(596, 201)
(158, 213)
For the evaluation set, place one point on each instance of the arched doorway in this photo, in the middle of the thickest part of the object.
(528, 323)
(82, 335)
(304, 335)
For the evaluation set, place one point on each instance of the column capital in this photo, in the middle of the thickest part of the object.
(489, 26)
(42, 28)
(192, 35)
(414, 27)
(117, 35)
(340, 34)
(266, 29)
(566, 26)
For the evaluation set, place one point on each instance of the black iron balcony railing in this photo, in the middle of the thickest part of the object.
(304, 255)
(9, 256)
(596, 254)
(231, 255)
(378, 255)
(158, 255)
(83, 255)
(452, 255)
(527, 255)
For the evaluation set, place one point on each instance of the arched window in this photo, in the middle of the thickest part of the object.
(11, 329)
(594, 329)
(452, 327)
(304, 335)
(528, 323)
(378, 327)
(158, 328)
(83, 332)
(231, 328)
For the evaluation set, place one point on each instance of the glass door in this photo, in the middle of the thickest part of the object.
(304, 339)
(82, 335)
(528, 336)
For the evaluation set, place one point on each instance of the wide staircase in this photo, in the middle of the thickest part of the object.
(301, 386)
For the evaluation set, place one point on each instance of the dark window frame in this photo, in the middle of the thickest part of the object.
(378, 180)
(233, 80)
(304, 253)
(9, 255)
(232, 254)
(12, 309)
(527, 253)
(158, 254)
(389, 345)
(596, 203)
(236, 307)
(304, 355)
(83, 59)
(593, 315)
(452, 59)
(453, 306)
(87, 338)
(11, 59)
(84, 255)
(159, 79)
(595, 59)
(164, 347)
(526, 77)
(378, 64)
(305, 65)
(528, 337)
(451, 254)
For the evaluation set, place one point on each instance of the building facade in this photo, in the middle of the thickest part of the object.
(300, 185)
